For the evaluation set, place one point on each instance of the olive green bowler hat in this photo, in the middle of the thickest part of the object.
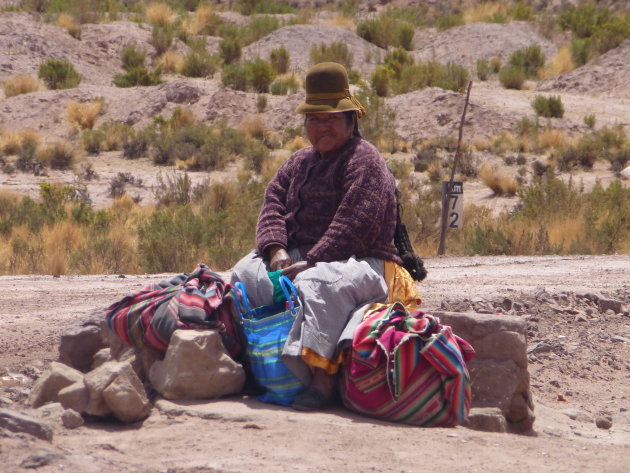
(328, 91)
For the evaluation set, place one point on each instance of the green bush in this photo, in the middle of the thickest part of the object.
(583, 20)
(589, 120)
(279, 87)
(59, 74)
(548, 107)
(512, 77)
(530, 59)
(249, 7)
(337, 51)
(235, 76)
(521, 11)
(611, 34)
(199, 63)
(138, 76)
(161, 38)
(279, 59)
(483, 69)
(607, 219)
(449, 20)
(386, 31)
(92, 141)
(230, 50)
(581, 50)
(377, 126)
(380, 81)
(132, 57)
(261, 74)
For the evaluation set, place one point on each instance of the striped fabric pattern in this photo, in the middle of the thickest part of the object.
(408, 368)
(149, 317)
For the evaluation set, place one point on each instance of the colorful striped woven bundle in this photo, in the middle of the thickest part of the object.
(407, 368)
(188, 301)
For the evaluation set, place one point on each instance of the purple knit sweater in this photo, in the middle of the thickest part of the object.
(331, 208)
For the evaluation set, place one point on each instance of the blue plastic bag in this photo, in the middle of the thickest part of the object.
(266, 328)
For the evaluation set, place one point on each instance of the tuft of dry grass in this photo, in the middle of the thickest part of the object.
(499, 182)
(480, 12)
(11, 142)
(170, 61)
(58, 155)
(61, 240)
(552, 139)
(559, 64)
(253, 127)
(182, 117)
(22, 84)
(339, 19)
(83, 115)
(504, 143)
(70, 24)
(480, 144)
(434, 171)
(160, 14)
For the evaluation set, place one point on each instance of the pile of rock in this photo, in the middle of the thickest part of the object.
(100, 376)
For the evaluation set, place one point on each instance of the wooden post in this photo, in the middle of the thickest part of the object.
(446, 199)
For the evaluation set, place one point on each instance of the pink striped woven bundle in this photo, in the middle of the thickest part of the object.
(408, 368)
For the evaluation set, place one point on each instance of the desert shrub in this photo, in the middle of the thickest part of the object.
(584, 19)
(83, 115)
(449, 20)
(548, 107)
(499, 182)
(199, 63)
(381, 80)
(529, 59)
(235, 76)
(70, 24)
(174, 189)
(377, 126)
(118, 184)
(581, 50)
(337, 51)
(59, 74)
(132, 57)
(512, 77)
(261, 74)
(230, 50)
(138, 76)
(560, 63)
(495, 64)
(59, 155)
(259, 27)
(114, 135)
(204, 22)
(28, 160)
(279, 59)
(400, 168)
(92, 140)
(249, 7)
(483, 69)
(21, 84)
(521, 11)
(160, 14)
(386, 31)
(527, 127)
(261, 102)
(161, 38)
(589, 120)
(136, 144)
(607, 218)
(612, 33)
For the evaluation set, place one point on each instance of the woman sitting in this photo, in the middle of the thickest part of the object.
(327, 222)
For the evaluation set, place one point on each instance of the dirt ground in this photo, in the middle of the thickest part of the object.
(579, 366)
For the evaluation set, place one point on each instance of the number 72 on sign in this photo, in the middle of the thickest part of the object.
(455, 214)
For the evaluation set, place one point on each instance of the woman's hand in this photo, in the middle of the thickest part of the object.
(278, 258)
(296, 268)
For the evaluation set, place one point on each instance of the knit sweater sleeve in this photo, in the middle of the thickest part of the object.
(369, 189)
(272, 228)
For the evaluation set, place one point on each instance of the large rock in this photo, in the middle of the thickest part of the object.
(125, 396)
(96, 381)
(74, 397)
(47, 387)
(486, 419)
(499, 369)
(196, 366)
(80, 342)
(22, 423)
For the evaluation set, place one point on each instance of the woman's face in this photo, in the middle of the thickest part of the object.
(328, 132)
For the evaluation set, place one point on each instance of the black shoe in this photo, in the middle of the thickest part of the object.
(312, 399)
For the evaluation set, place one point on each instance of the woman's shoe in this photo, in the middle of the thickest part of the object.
(312, 399)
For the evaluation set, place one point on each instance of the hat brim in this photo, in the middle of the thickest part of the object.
(326, 106)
